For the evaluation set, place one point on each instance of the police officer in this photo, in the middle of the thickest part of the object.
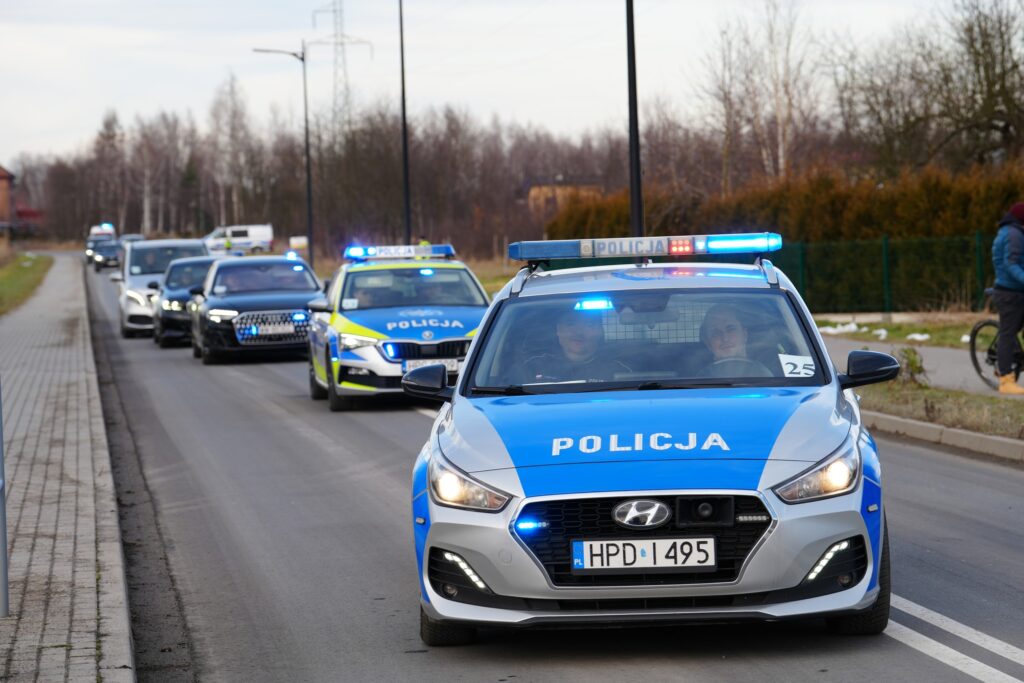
(578, 357)
(1008, 259)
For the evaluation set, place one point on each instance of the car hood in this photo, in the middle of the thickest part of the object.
(263, 301)
(419, 322)
(635, 440)
(140, 283)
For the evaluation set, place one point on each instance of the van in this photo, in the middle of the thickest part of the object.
(250, 239)
(102, 229)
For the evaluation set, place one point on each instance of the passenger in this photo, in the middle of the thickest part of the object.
(233, 281)
(725, 336)
(578, 356)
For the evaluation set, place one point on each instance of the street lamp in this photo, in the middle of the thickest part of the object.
(301, 56)
(636, 195)
(405, 131)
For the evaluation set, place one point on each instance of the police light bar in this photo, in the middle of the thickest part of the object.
(680, 245)
(361, 253)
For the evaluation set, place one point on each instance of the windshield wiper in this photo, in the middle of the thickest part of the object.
(513, 390)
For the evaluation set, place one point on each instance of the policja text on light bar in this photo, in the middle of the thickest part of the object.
(398, 251)
(681, 245)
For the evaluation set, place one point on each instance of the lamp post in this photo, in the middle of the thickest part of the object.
(301, 56)
(636, 196)
(407, 217)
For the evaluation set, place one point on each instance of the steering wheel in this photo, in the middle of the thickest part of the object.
(737, 367)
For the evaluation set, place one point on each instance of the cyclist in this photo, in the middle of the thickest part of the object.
(1008, 258)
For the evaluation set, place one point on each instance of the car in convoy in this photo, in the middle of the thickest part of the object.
(252, 304)
(171, 323)
(106, 254)
(649, 442)
(388, 310)
(246, 239)
(103, 230)
(142, 273)
(90, 246)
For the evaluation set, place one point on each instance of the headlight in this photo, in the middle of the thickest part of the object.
(833, 476)
(137, 297)
(169, 305)
(354, 341)
(220, 314)
(88, 252)
(454, 488)
(98, 258)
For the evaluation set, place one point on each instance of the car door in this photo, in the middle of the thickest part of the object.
(321, 326)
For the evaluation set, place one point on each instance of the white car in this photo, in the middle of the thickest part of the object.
(249, 239)
(142, 274)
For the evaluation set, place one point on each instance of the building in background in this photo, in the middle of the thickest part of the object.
(547, 196)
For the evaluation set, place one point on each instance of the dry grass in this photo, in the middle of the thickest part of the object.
(1000, 416)
(20, 277)
(51, 245)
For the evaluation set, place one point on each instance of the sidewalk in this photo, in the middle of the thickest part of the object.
(69, 611)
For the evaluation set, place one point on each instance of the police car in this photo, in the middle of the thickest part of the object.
(388, 310)
(649, 442)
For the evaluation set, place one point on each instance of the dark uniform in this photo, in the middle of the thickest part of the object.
(555, 367)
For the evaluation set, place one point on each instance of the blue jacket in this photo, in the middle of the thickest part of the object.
(1008, 254)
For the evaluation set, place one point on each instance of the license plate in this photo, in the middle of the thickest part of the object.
(450, 364)
(697, 554)
(276, 328)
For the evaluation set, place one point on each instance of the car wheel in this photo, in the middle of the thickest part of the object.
(873, 620)
(97, 268)
(336, 403)
(210, 356)
(316, 392)
(164, 342)
(443, 634)
(125, 332)
(196, 351)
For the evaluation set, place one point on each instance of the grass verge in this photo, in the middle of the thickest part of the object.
(993, 415)
(947, 334)
(20, 277)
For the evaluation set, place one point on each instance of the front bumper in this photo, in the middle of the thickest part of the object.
(135, 316)
(367, 371)
(175, 324)
(770, 584)
(222, 338)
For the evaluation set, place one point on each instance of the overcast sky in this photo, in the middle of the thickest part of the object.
(554, 63)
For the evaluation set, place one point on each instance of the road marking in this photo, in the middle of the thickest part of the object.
(947, 655)
(429, 413)
(1003, 649)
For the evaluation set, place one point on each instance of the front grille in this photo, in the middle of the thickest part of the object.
(247, 327)
(140, 320)
(591, 519)
(416, 351)
(372, 379)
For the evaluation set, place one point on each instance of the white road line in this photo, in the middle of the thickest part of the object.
(429, 413)
(947, 655)
(1003, 649)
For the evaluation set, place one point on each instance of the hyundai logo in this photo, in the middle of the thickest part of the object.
(641, 514)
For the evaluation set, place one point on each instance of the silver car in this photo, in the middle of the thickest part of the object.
(649, 442)
(140, 278)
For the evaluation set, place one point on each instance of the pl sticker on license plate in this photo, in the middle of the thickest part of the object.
(276, 328)
(697, 554)
(450, 364)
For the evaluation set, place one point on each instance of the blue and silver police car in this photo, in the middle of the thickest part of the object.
(388, 310)
(649, 442)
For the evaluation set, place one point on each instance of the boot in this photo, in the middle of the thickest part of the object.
(1008, 385)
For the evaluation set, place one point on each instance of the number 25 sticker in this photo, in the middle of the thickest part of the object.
(796, 366)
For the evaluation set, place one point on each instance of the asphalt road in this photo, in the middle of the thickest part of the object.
(289, 539)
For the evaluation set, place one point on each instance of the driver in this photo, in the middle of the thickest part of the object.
(578, 357)
(725, 336)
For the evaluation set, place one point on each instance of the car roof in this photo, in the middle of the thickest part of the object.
(256, 260)
(645, 276)
(194, 259)
(146, 244)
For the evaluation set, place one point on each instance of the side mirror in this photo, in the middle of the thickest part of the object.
(868, 367)
(153, 284)
(430, 381)
(117, 277)
(319, 305)
(196, 291)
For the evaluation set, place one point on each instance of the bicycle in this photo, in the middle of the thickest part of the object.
(984, 347)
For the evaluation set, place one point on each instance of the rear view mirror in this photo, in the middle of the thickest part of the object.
(868, 367)
(319, 305)
(430, 381)
(153, 284)
(196, 291)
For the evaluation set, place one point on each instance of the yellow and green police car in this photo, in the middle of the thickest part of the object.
(390, 309)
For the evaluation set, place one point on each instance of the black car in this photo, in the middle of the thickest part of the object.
(252, 304)
(170, 308)
(90, 246)
(106, 254)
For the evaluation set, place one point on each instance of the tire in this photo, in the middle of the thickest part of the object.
(983, 351)
(164, 342)
(336, 403)
(126, 333)
(97, 268)
(316, 392)
(873, 620)
(209, 356)
(443, 634)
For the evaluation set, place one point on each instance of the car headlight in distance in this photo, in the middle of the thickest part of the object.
(454, 488)
(833, 476)
(98, 258)
(220, 314)
(355, 341)
(169, 305)
(137, 297)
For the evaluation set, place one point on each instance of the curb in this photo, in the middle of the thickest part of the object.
(116, 650)
(996, 446)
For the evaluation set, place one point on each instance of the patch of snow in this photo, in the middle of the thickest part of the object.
(845, 328)
(966, 339)
(918, 337)
(881, 333)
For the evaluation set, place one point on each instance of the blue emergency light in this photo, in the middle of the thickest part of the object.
(618, 247)
(398, 251)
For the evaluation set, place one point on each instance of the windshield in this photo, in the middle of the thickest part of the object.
(93, 241)
(261, 277)
(149, 260)
(107, 247)
(420, 286)
(650, 339)
(187, 275)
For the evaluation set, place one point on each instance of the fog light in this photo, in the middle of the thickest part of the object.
(467, 570)
(826, 558)
(450, 590)
(362, 372)
(845, 580)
